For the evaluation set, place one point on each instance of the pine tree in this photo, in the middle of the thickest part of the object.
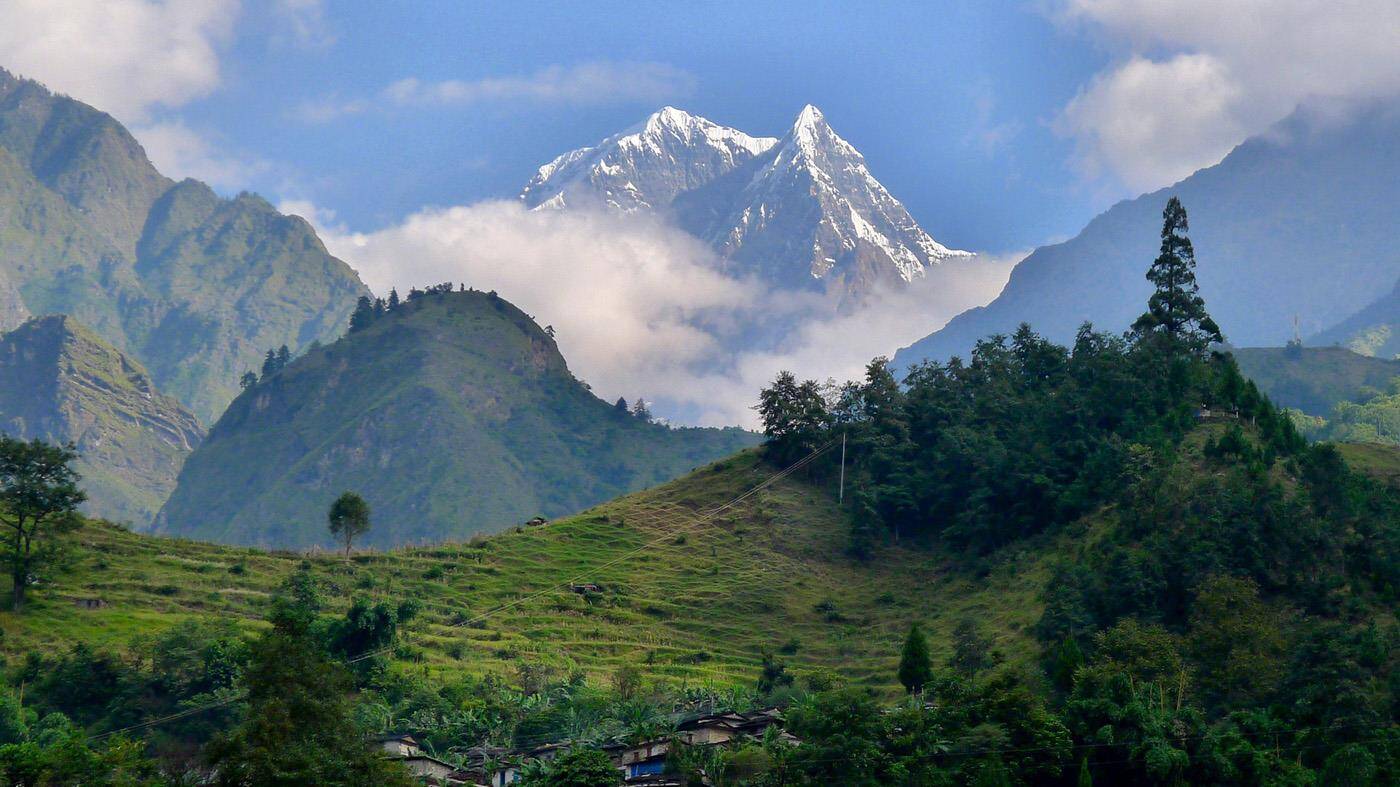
(363, 314)
(284, 357)
(641, 410)
(269, 366)
(621, 405)
(248, 380)
(915, 664)
(1176, 309)
(393, 299)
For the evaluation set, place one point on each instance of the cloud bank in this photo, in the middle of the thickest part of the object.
(1193, 78)
(585, 84)
(640, 308)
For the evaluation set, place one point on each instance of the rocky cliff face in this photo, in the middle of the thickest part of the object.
(61, 383)
(194, 286)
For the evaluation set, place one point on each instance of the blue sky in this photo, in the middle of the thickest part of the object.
(950, 102)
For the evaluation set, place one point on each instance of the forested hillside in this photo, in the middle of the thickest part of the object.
(1316, 379)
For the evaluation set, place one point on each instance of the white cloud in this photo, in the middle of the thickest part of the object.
(1195, 77)
(180, 152)
(122, 56)
(639, 306)
(303, 23)
(583, 84)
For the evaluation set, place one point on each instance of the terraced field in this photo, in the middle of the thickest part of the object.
(684, 596)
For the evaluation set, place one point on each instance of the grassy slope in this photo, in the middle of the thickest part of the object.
(1381, 462)
(704, 608)
(1316, 379)
(748, 580)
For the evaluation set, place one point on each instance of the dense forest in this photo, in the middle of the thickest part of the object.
(1226, 615)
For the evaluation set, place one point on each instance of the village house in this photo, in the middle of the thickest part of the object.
(425, 767)
(642, 764)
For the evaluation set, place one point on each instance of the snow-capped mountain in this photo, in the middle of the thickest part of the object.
(800, 212)
(646, 166)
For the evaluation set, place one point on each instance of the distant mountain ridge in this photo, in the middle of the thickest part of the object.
(801, 211)
(61, 383)
(452, 414)
(1299, 222)
(1375, 330)
(193, 285)
(1315, 379)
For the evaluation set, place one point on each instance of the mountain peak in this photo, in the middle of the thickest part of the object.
(809, 117)
(802, 211)
(669, 117)
(646, 166)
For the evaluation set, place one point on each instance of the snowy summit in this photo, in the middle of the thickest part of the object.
(802, 211)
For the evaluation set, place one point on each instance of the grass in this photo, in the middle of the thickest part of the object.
(768, 573)
(1381, 462)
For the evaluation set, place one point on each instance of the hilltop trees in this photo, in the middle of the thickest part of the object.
(348, 519)
(795, 418)
(39, 497)
(1023, 434)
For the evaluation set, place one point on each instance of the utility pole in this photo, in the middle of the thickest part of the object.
(841, 495)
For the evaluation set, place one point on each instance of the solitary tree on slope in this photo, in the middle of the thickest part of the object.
(39, 497)
(915, 665)
(348, 519)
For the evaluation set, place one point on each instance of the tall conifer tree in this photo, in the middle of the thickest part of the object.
(1176, 308)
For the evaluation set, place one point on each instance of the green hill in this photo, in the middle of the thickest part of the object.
(194, 286)
(61, 383)
(1315, 379)
(451, 414)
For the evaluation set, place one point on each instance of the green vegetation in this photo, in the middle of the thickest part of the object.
(39, 499)
(1372, 420)
(451, 414)
(191, 284)
(61, 383)
(1315, 379)
(348, 519)
(1131, 567)
(699, 610)
(1229, 581)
